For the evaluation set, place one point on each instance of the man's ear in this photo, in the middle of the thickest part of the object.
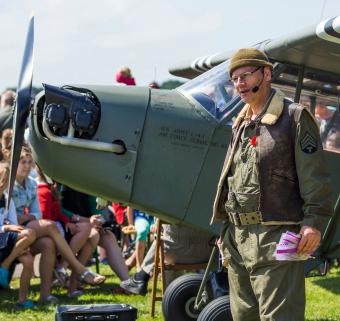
(267, 73)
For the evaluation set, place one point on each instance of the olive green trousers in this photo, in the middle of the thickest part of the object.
(262, 288)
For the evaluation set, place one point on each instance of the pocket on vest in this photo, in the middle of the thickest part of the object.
(242, 202)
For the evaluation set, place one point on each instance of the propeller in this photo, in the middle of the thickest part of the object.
(22, 106)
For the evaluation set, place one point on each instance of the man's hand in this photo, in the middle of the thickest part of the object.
(310, 240)
(13, 228)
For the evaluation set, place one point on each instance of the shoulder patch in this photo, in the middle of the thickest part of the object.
(309, 143)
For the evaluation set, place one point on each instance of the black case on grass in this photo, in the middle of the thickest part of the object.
(96, 312)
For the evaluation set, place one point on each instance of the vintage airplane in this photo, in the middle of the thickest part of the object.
(162, 150)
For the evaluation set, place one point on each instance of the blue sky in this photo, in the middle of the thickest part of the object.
(85, 42)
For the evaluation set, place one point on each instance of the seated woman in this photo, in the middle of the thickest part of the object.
(78, 235)
(14, 242)
(80, 207)
(48, 235)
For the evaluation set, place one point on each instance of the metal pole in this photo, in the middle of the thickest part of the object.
(312, 104)
(199, 301)
(299, 84)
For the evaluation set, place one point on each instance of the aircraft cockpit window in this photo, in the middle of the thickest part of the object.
(321, 97)
(213, 90)
(328, 118)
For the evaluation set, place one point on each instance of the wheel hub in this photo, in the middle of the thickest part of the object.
(190, 308)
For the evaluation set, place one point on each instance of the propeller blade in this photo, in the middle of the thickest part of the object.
(22, 106)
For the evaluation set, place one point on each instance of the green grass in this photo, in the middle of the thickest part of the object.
(323, 300)
(93, 295)
(323, 297)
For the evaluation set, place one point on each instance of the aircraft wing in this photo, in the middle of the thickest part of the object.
(315, 47)
(193, 68)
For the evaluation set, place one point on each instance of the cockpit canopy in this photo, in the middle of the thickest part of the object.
(213, 90)
(320, 93)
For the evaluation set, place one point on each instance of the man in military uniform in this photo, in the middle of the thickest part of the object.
(273, 180)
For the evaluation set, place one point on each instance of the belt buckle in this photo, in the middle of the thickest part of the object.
(243, 217)
(249, 218)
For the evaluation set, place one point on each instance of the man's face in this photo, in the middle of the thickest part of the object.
(245, 79)
(24, 167)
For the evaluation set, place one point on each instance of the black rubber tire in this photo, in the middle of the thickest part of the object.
(179, 298)
(217, 310)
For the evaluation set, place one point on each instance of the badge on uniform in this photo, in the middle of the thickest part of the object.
(308, 143)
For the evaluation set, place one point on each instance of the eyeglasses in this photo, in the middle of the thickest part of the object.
(245, 76)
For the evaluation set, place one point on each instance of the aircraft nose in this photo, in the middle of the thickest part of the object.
(71, 117)
(89, 137)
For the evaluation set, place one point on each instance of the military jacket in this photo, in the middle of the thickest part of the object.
(294, 183)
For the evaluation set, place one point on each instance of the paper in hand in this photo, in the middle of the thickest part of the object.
(286, 249)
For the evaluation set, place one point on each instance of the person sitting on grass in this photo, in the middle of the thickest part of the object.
(78, 234)
(80, 207)
(27, 205)
(14, 243)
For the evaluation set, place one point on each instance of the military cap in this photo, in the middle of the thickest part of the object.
(248, 57)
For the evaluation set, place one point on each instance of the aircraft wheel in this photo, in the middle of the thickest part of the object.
(217, 310)
(179, 298)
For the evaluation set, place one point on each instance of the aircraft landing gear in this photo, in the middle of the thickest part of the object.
(217, 310)
(179, 298)
(179, 302)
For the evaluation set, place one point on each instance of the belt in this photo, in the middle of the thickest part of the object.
(245, 218)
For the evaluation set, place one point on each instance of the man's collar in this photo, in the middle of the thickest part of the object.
(272, 113)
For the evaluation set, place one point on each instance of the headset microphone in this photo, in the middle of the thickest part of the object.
(257, 87)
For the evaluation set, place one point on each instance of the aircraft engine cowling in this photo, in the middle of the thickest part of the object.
(89, 138)
(71, 109)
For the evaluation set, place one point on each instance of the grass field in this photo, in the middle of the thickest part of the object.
(323, 300)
